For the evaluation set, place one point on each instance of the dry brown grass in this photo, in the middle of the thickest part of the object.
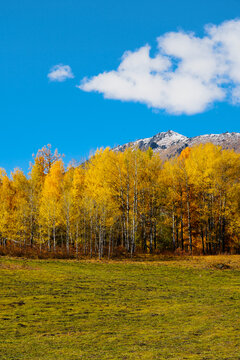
(218, 262)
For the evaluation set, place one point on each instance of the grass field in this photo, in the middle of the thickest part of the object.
(163, 309)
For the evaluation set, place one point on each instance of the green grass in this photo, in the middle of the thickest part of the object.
(118, 310)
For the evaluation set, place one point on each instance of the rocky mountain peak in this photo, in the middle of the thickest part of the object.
(171, 143)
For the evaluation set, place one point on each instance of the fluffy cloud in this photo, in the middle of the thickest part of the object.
(60, 73)
(186, 76)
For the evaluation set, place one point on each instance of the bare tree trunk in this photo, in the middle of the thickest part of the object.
(181, 221)
(40, 238)
(189, 219)
(155, 236)
(85, 235)
(135, 205)
(54, 236)
(173, 231)
(223, 224)
(202, 236)
(76, 240)
(49, 243)
(100, 242)
(91, 228)
(127, 220)
(67, 235)
(109, 243)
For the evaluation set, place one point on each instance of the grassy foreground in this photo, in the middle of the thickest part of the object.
(165, 309)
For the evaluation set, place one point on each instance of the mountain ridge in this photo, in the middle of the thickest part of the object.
(171, 143)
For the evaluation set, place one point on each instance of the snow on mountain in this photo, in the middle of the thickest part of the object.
(162, 140)
(170, 143)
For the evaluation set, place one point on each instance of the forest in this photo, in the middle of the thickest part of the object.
(123, 204)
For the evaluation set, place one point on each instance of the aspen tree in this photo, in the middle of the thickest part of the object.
(78, 195)
(21, 208)
(50, 205)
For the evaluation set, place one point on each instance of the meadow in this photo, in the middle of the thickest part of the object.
(158, 308)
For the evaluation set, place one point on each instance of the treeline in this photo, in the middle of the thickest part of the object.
(122, 203)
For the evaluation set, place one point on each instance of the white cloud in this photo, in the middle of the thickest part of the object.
(60, 73)
(187, 74)
(236, 95)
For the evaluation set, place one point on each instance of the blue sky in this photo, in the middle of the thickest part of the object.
(91, 37)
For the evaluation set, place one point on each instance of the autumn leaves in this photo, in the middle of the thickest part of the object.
(123, 203)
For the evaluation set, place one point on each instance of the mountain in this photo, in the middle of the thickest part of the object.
(170, 143)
